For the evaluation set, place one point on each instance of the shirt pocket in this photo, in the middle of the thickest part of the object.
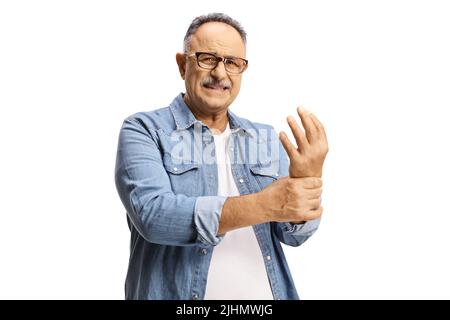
(264, 175)
(184, 177)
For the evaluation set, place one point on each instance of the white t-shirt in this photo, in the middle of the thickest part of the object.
(237, 269)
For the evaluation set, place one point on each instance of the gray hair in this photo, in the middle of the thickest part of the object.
(212, 17)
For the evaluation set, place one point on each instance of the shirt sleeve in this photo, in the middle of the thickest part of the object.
(207, 216)
(295, 234)
(301, 228)
(158, 214)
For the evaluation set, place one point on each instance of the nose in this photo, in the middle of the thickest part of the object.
(219, 71)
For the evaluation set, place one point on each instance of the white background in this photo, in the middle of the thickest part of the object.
(377, 73)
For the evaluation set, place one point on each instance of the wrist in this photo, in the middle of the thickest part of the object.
(299, 174)
(262, 208)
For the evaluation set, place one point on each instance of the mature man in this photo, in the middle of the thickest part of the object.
(205, 191)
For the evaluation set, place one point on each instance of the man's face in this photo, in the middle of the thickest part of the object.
(212, 90)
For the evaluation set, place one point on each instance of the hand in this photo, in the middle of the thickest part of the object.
(306, 160)
(292, 199)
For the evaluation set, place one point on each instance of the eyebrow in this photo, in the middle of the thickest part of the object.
(214, 52)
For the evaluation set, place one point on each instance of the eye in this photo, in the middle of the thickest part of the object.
(232, 63)
(208, 60)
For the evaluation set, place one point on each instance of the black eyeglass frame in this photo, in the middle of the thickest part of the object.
(218, 60)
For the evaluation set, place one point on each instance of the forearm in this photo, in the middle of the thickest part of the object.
(285, 200)
(240, 212)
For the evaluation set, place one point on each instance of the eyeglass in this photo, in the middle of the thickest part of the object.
(209, 61)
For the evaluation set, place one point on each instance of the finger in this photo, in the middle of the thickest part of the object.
(314, 193)
(291, 150)
(298, 133)
(319, 126)
(310, 128)
(315, 203)
(313, 214)
(311, 182)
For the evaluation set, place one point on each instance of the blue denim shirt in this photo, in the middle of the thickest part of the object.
(166, 177)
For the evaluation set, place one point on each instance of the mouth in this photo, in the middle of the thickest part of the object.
(216, 88)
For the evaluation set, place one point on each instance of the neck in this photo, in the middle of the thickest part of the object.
(216, 121)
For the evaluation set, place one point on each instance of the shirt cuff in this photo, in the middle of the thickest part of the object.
(207, 214)
(304, 228)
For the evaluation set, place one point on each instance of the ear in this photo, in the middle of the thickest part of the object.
(181, 61)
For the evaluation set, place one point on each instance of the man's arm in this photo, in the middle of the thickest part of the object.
(282, 201)
(239, 212)
(158, 214)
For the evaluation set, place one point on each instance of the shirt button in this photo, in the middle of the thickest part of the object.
(231, 149)
(195, 296)
(204, 251)
(268, 258)
(175, 169)
(241, 180)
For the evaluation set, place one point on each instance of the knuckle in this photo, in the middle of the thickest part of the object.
(318, 182)
(308, 182)
(317, 213)
(316, 204)
(321, 126)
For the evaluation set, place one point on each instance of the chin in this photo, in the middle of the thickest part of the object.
(216, 102)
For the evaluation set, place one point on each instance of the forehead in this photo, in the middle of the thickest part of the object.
(218, 37)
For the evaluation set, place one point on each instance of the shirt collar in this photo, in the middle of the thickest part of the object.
(184, 118)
